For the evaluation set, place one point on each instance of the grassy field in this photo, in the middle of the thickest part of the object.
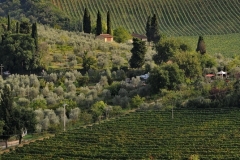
(227, 45)
(175, 17)
(208, 133)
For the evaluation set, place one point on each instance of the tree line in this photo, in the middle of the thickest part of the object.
(19, 46)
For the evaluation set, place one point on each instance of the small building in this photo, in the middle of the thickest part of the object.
(105, 37)
(139, 36)
(222, 74)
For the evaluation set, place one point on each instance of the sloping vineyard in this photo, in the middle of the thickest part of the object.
(209, 133)
(176, 17)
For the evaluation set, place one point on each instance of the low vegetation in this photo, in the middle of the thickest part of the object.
(203, 133)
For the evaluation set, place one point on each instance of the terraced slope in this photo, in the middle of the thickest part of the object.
(209, 133)
(176, 17)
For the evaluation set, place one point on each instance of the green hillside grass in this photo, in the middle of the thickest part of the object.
(227, 45)
(176, 17)
(208, 133)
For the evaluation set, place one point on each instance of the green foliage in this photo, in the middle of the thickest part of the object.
(98, 109)
(114, 88)
(1, 127)
(166, 49)
(166, 76)
(189, 62)
(154, 30)
(38, 103)
(136, 101)
(18, 52)
(15, 118)
(88, 61)
(138, 53)
(9, 23)
(35, 34)
(99, 24)
(109, 23)
(83, 81)
(148, 29)
(201, 45)
(121, 35)
(25, 27)
(86, 21)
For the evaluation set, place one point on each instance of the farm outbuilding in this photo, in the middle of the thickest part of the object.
(105, 37)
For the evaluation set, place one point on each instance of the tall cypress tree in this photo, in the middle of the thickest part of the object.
(201, 45)
(6, 113)
(99, 24)
(17, 27)
(9, 23)
(35, 34)
(148, 29)
(155, 33)
(138, 53)
(86, 21)
(109, 25)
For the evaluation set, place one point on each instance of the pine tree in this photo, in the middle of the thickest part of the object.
(9, 23)
(155, 33)
(35, 34)
(109, 25)
(201, 45)
(99, 24)
(86, 21)
(148, 29)
(138, 53)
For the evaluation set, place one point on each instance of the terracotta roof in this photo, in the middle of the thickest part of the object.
(210, 75)
(135, 35)
(106, 35)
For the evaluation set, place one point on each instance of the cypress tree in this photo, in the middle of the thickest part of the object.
(148, 29)
(17, 27)
(9, 23)
(138, 53)
(109, 25)
(6, 113)
(86, 21)
(201, 45)
(155, 34)
(99, 24)
(35, 34)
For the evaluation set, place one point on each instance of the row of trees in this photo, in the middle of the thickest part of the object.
(87, 27)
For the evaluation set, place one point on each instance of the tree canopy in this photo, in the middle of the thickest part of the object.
(15, 119)
(201, 47)
(121, 35)
(99, 24)
(109, 23)
(86, 21)
(138, 53)
(167, 76)
(18, 52)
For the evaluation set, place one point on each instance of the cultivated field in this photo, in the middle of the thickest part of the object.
(176, 17)
(208, 133)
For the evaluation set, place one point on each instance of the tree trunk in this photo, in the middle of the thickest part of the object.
(20, 138)
(6, 143)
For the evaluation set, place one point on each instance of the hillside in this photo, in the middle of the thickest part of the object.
(176, 17)
(208, 133)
